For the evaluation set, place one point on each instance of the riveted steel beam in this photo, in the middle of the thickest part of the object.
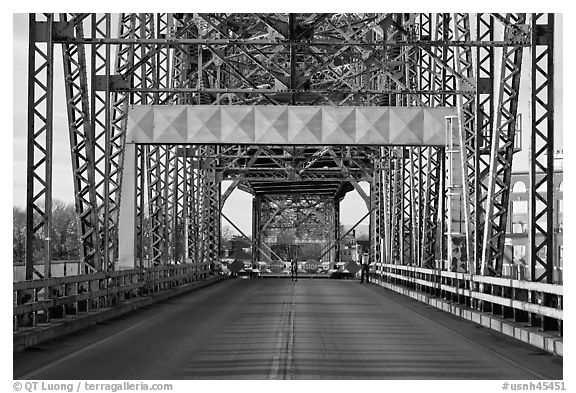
(39, 146)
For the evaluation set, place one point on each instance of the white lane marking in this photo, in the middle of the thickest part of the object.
(284, 358)
(290, 344)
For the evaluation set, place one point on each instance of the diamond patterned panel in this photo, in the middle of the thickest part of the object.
(338, 125)
(268, 125)
(406, 126)
(204, 124)
(305, 125)
(140, 124)
(271, 124)
(434, 131)
(170, 124)
(237, 124)
(372, 125)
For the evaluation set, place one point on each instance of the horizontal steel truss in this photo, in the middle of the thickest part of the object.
(290, 163)
(373, 59)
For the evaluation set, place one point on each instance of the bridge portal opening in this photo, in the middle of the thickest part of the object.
(297, 162)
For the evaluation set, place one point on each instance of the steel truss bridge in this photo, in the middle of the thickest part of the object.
(297, 110)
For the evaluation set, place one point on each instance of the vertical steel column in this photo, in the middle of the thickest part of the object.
(40, 140)
(448, 78)
(411, 58)
(119, 100)
(375, 209)
(183, 201)
(466, 134)
(178, 192)
(414, 170)
(484, 125)
(129, 26)
(155, 184)
(386, 204)
(123, 66)
(142, 219)
(422, 175)
(81, 143)
(210, 225)
(193, 208)
(541, 201)
(169, 207)
(542, 148)
(425, 76)
(100, 118)
(184, 28)
(396, 210)
(441, 253)
(438, 77)
(502, 147)
(406, 220)
(256, 228)
(164, 30)
(336, 207)
(174, 73)
(432, 200)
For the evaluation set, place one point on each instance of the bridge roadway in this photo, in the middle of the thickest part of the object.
(277, 329)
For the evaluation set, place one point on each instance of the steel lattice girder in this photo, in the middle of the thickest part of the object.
(501, 152)
(396, 213)
(466, 136)
(210, 202)
(81, 145)
(100, 107)
(376, 210)
(40, 140)
(432, 200)
(541, 202)
(221, 59)
(484, 114)
(289, 163)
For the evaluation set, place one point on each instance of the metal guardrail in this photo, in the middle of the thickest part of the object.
(37, 302)
(522, 301)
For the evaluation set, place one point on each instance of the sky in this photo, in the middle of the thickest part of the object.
(238, 207)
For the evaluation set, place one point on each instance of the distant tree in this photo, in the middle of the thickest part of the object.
(226, 233)
(65, 240)
(19, 234)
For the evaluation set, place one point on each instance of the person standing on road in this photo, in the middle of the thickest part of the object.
(365, 268)
(294, 269)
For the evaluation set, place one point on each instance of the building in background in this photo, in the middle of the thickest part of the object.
(517, 238)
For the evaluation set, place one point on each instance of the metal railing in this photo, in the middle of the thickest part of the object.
(522, 301)
(38, 302)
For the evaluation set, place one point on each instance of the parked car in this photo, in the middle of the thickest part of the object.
(340, 274)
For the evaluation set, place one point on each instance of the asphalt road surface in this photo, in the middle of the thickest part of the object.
(278, 329)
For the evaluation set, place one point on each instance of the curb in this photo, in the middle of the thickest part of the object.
(546, 341)
(33, 336)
